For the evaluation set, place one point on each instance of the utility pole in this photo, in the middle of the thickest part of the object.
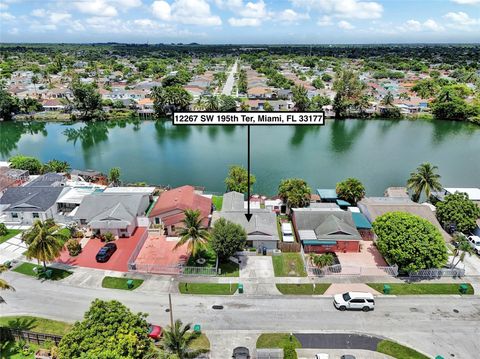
(170, 310)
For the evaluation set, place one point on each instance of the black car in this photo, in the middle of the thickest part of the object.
(241, 353)
(106, 252)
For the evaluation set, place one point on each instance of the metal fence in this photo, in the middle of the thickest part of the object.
(438, 273)
(136, 251)
(342, 270)
(28, 336)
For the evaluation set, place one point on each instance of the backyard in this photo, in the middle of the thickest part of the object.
(288, 265)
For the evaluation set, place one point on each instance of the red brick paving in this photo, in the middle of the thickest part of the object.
(118, 261)
(158, 251)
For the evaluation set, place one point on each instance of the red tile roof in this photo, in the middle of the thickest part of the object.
(180, 198)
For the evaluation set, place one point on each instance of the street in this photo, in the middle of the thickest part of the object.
(446, 325)
(227, 88)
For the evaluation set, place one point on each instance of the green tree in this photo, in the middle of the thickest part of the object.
(56, 166)
(179, 339)
(318, 83)
(267, 107)
(8, 105)
(461, 250)
(86, 100)
(322, 260)
(300, 97)
(317, 102)
(4, 285)
(227, 103)
(294, 192)
(30, 164)
(211, 103)
(29, 105)
(169, 99)
(387, 100)
(424, 180)
(227, 238)
(193, 232)
(409, 241)
(44, 241)
(459, 210)
(114, 176)
(349, 90)
(3, 229)
(237, 179)
(351, 190)
(108, 330)
(426, 88)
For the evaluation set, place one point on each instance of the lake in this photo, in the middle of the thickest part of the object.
(381, 153)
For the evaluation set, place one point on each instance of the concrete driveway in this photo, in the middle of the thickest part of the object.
(256, 267)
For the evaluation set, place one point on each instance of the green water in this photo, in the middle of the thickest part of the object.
(379, 153)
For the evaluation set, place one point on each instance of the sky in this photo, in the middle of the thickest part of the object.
(240, 21)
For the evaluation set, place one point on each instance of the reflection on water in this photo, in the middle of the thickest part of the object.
(345, 133)
(11, 133)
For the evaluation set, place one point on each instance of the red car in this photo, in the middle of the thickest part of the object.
(154, 331)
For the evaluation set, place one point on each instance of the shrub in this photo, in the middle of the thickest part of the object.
(289, 351)
(3, 229)
(74, 248)
(459, 210)
(109, 237)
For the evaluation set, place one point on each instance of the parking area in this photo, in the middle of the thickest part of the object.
(118, 261)
(366, 262)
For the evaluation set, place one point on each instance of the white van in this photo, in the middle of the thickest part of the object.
(287, 232)
(354, 300)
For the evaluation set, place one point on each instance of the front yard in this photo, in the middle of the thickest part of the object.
(303, 289)
(288, 265)
(422, 288)
(10, 233)
(36, 324)
(121, 283)
(32, 270)
(207, 288)
(227, 267)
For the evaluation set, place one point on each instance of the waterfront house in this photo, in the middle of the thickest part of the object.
(118, 213)
(262, 231)
(472, 193)
(324, 230)
(169, 209)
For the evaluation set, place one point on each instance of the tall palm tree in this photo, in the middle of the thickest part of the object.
(177, 340)
(461, 250)
(44, 241)
(211, 103)
(424, 180)
(3, 284)
(193, 232)
(388, 99)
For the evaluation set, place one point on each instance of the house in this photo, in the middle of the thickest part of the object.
(472, 193)
(10, 177)
(170, 206)
(87, 176)
(324, 230)
(51, 179)
(262, 231)
(23, 205)
(118, 213)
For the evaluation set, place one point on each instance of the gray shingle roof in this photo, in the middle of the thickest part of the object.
(232, 201)
(30, 199)
(48, 179)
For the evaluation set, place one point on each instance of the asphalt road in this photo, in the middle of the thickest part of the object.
(446, 325)
(228, 86)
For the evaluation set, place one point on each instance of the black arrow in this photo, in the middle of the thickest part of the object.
(248, 214)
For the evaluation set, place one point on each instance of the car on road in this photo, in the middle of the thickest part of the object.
(154, 331)
(241, 353)
(287, 232)
(106, 252)
(354, 300)
(474, 242)
(321, 356)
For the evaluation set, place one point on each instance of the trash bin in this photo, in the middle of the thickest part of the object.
(386, 289)
(439, 357)
(264, 251)
(48, 273)
(240, 288)
(8, 264)
(463, 288)
(197, 328)
(130, 283)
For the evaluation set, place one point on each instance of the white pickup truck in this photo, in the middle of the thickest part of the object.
(474, 242)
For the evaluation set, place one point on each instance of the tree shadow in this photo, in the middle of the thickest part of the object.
(22, 323)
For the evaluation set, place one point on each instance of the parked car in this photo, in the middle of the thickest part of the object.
(354, 300)
(474, 242)
(241, 353)
(321, 356)
(106, 252)
(154, 331)
(287, 232)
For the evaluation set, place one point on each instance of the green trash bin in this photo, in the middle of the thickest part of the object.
(130, 283)
(240, 288)
(439, 357)
(386, 289)
(48, 273)
(197, 328)
(463, 288)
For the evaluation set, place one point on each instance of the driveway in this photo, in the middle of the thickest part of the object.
(365, 262)
(256, 267)
(12, 249)
(338, 341)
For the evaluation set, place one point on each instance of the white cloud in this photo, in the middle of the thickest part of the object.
(191, 12)
(345, 25)
(467, 2)
(348, 9)
(56, 17)
(127, 3)
(6, 16)
(461, 20)
(416, 26)
(76, 26)
(96, 7)
(432, 25)
(13, 31)
(325, 21)
(3, 6)
(39, 12)
(244, 21)
(38, 27)
(289, 15)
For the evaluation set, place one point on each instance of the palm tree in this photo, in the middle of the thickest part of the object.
(177, 340)
(3, 284)
(388, 99)
(211, 103)
(193, 232)
(425, 179)
(35, 81)
(461, 250)
(44, 241)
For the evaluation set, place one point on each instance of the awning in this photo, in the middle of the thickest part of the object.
(361, 222)
(319, 243)
(343, 203)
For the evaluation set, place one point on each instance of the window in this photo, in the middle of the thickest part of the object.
(35, 215)
(14, 215)
(357, 301)
(157, 220)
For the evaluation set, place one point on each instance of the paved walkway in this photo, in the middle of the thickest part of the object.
(12, 249)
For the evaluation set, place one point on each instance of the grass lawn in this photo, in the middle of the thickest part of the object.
(201, 342)
(276, 340)
(9, 350)
(229, 269)
(36, 324)
(398, 351)
(421, 288)
(10, 233)
(207, 288)
(120, 283)
(217, 202)
(209, 255)
(27, 269)
(302, 289)
(288, 265)
(66, 233)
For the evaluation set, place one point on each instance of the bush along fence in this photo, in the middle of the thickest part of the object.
(10, 334)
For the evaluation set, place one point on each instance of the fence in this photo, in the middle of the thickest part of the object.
(339, 269)
(438, 272)
(30, 337)
(289, 247)
(136, 251)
